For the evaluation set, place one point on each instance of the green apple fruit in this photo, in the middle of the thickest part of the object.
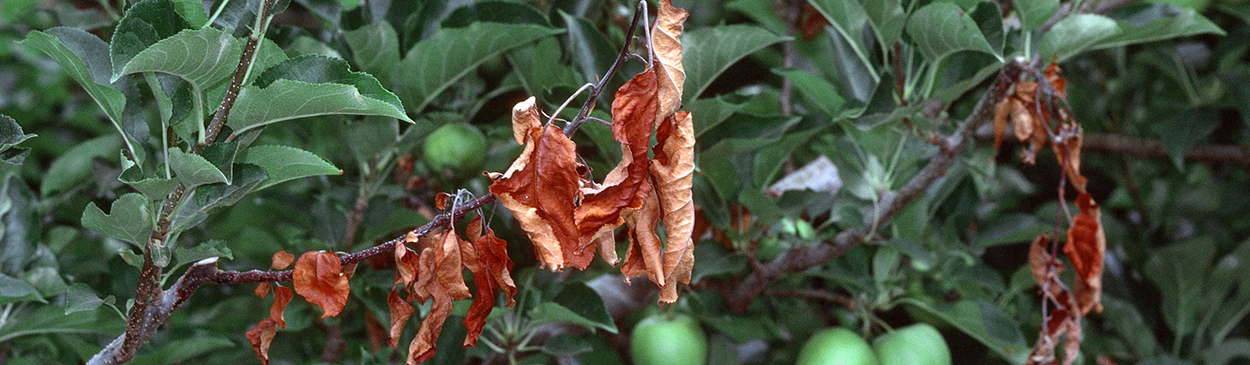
(918, 344)
(668, 340)
(836, 346)
(456, 146)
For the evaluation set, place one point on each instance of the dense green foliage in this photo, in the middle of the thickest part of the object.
(106, 106)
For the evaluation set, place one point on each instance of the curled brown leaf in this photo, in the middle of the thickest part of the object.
(281, 260)
(666, 43)
(673, 169)
(400, 312)
(319, 279)
(261, 337)
(540, 189)
(1085, 248)
(281, 297)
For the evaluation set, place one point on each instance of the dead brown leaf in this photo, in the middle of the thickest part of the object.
(318, 278)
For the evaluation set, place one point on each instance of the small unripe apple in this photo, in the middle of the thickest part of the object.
(918, 344)
(668, 340)
(836, 346)
(456, 146)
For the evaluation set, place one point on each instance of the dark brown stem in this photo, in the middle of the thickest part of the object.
(821, 295)
(603, 82)
(353, 220)
(805, 257)
(145, 316)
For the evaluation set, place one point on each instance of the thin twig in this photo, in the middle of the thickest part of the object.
(804, 257)
(603, 82)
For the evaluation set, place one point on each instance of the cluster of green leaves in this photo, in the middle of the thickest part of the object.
(346, 74)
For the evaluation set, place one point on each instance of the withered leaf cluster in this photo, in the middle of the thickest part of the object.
(566, 214)
(437, 274)
(1029, 108)
(569, 216)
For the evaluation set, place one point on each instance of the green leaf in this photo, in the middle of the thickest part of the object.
(11, 133)
(1011, 228)
(85, 58)
(285, 100)
(48, 319)
(715, 259)
(21, 229)
(16, 290)
(887, 18)
(144, 24)
(533, 66)
(214, 248)
(576, 304)
(983, 322)
(129, 219)
(849, 19)
(435, 63)
(1158, 22)
(193, 170)
(1034, 13)
(154, 188)
(192, 11)
(184, 351)
(586, 303)
(1180, 132)
(370, 138)
(940, 29)
(710, 51)
(711, 112)
(375, 48)
(549, 312)
(74, 165)
(1180, 273)
(588, 48)
(205, 57)
(284, 163)
(760, 11)
(565, 344)
(207, 197)
(80, 298)
(1075, 34)
(821, 92)
(10, 157)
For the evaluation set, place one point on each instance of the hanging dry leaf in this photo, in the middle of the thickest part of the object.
(406, 265)
(493, 254)
(1085, 247)
(400, 312)
(422, 347)
(540, 189)
(281, 297)
(281, 260)
(673, 169)
(1068, 152)
(261, 337)
(484, 300)
(318, 278)
(524, 118)
(450, 266)
(633, 119)
(666, 43)
(262, 290)
(644, 256)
